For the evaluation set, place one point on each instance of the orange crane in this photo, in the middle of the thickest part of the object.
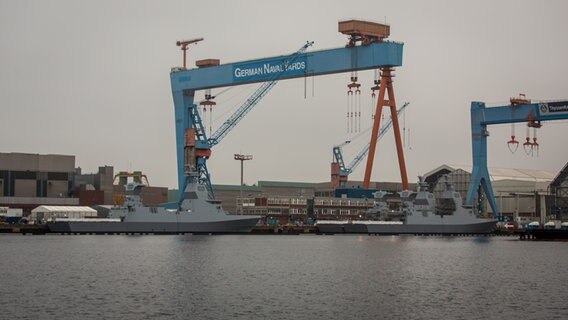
(367, 33)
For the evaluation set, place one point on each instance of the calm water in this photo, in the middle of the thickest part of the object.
(281, 277)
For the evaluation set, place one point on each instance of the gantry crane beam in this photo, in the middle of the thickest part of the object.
(481, 117)
(184, 83)
(314, 63)
(234, 119)
(198, 149)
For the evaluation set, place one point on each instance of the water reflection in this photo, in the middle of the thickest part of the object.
(281, 277)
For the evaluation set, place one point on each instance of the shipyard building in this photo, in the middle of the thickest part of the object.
(28, 181)
(279, 202)
(522, 195)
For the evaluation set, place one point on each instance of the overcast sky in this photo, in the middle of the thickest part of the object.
(91, 79)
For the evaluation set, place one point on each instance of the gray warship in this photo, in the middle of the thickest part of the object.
(197, 213)
(419, 213)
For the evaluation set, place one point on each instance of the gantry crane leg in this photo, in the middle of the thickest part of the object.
(386, 87)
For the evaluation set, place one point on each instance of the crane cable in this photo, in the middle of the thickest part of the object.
(243, 90)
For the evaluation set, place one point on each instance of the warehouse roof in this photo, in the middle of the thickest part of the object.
(284, 184)
(502, 173)
(562, 175)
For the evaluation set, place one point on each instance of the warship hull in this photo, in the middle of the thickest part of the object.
(230, 225)
(373, 227)
(331, 227)
(484, 227)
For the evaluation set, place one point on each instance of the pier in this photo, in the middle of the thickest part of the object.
(521, 234)
(23, 228)
(543, 234)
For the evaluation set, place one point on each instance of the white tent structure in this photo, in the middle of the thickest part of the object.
(73, 212)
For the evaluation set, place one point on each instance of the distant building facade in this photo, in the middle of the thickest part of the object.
(150, 196)
(559, 195)
(279, 202)
(94, 188)
(284, 210)
(28, 180)
(520, 194)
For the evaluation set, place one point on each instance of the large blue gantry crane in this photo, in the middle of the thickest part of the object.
(198, 146)
(520, 110)
(192, 145)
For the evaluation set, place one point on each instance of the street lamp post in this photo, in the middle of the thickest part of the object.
(242, 158)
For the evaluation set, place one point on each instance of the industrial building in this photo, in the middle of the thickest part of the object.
(283, 210)
(521, 194)
(298, 202)
(294, 202)
(94, 188)
(100, 189)
(229, 194)
(29, 180)
(150, 195)
(558, 208)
